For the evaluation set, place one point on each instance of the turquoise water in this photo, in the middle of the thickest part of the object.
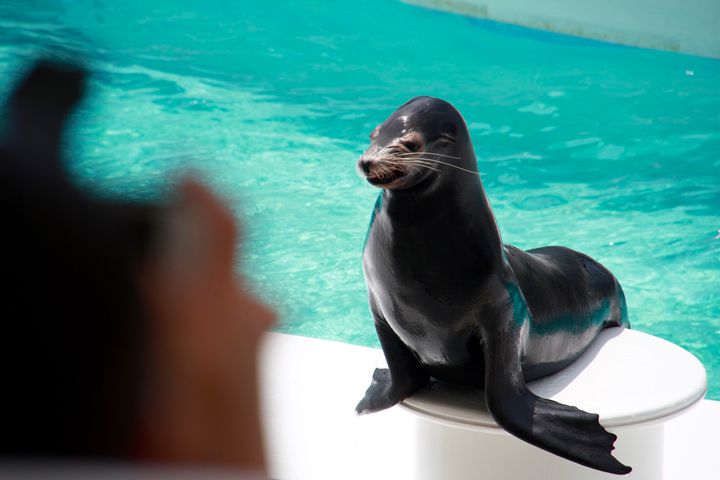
(610, 150)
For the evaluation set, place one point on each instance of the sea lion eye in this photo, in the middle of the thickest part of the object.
(411, 145)
(446, 137)
(374, 133)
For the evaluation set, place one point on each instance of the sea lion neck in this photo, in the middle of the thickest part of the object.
(428, 210)
(438, 193)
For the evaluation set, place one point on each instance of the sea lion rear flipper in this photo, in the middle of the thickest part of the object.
(564, 430)
(404, 376)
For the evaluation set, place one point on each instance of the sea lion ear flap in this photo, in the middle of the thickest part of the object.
(37, 111)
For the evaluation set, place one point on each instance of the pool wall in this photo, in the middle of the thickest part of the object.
(688, 27)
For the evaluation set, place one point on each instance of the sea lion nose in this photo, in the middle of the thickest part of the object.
(364, 165)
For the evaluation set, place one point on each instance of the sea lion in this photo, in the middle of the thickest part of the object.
(452, 302)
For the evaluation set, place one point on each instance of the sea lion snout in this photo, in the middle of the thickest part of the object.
(381, 170)
(386, 162)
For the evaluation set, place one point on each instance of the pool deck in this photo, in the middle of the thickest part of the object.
(309, 389)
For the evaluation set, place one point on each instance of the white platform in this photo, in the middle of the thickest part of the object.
(634, 381)
(629, 378)
(310, 389)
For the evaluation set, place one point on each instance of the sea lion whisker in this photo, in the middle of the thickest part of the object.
(414, 168)
(390, 166)
(386, 169)
(413, 160)
(409, 159)
(428, 153)
(427, 167)
(424, 164)
(446, 163)
(384, 173)
(379, 172)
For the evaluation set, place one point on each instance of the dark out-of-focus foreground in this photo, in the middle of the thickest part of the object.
(126, 334)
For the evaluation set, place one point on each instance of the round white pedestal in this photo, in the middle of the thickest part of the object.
(634, 381)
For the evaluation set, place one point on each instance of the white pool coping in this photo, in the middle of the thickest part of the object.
(310, 388)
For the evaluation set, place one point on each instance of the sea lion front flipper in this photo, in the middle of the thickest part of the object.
(560, 429)
(404, 376)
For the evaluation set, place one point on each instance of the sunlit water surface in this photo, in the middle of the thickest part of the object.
(610, 150)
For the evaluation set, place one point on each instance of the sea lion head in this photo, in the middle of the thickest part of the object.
(422, 140)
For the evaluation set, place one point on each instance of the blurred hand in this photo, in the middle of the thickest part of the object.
(202, 404)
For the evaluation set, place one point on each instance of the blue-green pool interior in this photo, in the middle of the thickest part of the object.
(610, 150)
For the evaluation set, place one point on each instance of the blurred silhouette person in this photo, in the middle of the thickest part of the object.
(126, 335)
